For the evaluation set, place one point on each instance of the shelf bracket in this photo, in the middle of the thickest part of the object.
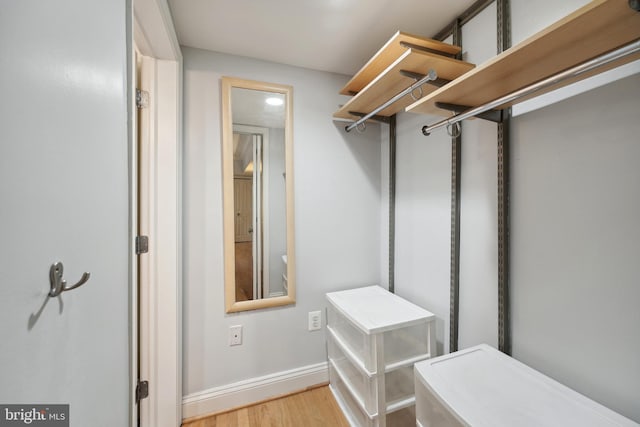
(426, 49)
(495, 116)
(438, 82)
(376, 117)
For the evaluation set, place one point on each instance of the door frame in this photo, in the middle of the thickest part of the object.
(159, 353)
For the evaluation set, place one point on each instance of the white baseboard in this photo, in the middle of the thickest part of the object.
(253, 390)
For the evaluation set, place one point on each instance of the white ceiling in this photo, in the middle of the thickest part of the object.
(329, 35)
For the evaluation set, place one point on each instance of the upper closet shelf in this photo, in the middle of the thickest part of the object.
(389, 53)
(395, 78)
(404, 60)
(590, 32)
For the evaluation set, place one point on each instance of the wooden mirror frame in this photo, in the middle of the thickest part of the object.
(231, 305)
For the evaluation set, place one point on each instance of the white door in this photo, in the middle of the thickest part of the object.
(243, 206)
(64, 196)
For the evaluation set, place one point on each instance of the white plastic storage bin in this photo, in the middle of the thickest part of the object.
(398, 383)
(359, 317)
(374, 338)
(400, 345)
(482, 387)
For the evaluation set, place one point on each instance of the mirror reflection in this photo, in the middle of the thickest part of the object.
(258, 193)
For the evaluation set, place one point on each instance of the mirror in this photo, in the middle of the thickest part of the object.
(257, 169)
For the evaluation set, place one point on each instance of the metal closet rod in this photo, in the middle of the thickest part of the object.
(431, 75)
(563, 75)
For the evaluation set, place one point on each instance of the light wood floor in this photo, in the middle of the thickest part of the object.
(311, 408)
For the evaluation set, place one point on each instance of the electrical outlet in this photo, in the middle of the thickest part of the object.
(235, 335)
(315, 320)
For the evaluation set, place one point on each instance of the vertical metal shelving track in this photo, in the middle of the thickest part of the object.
(504, 143)
(392, 202)
(456, 169)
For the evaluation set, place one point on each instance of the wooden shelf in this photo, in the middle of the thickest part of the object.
(380, 79)
(390, 82)
(597, 28)
(388, 55)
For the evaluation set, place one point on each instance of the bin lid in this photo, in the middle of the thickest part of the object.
(482, 386)
(374, 309)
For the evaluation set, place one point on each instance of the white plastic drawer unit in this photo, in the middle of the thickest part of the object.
(401, 417)
(359, 318)
(373, 339)
(398, 384)
(482, 387)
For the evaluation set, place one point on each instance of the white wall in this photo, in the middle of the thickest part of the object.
(337, 200)
(576, 243)
(575, 203)
(574, 233)
(423, 220)
(529, 17)
(423, 217)
(340, 216)
(478, 203)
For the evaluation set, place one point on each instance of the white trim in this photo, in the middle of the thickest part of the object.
(160, 297)
(155, 28)
(167, 307)
(147, 226)
(155, 36)
(253, 390)
(134, 350)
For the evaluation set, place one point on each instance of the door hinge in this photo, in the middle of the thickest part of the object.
(142, 390)
(142, 98)
(142, 244)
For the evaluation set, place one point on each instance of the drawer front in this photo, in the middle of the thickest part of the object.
(363, 387)
(406, 343)
(354, 413)
(359, 343)
(398, 384)
(403, 418)
(429, 411)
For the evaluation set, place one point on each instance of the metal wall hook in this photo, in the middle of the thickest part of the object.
(58, 285)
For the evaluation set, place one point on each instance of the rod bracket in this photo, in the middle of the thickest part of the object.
(495, 116)
(438, 82)
(376, 117)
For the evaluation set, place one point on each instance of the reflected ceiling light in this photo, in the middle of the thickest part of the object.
(274, 101)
